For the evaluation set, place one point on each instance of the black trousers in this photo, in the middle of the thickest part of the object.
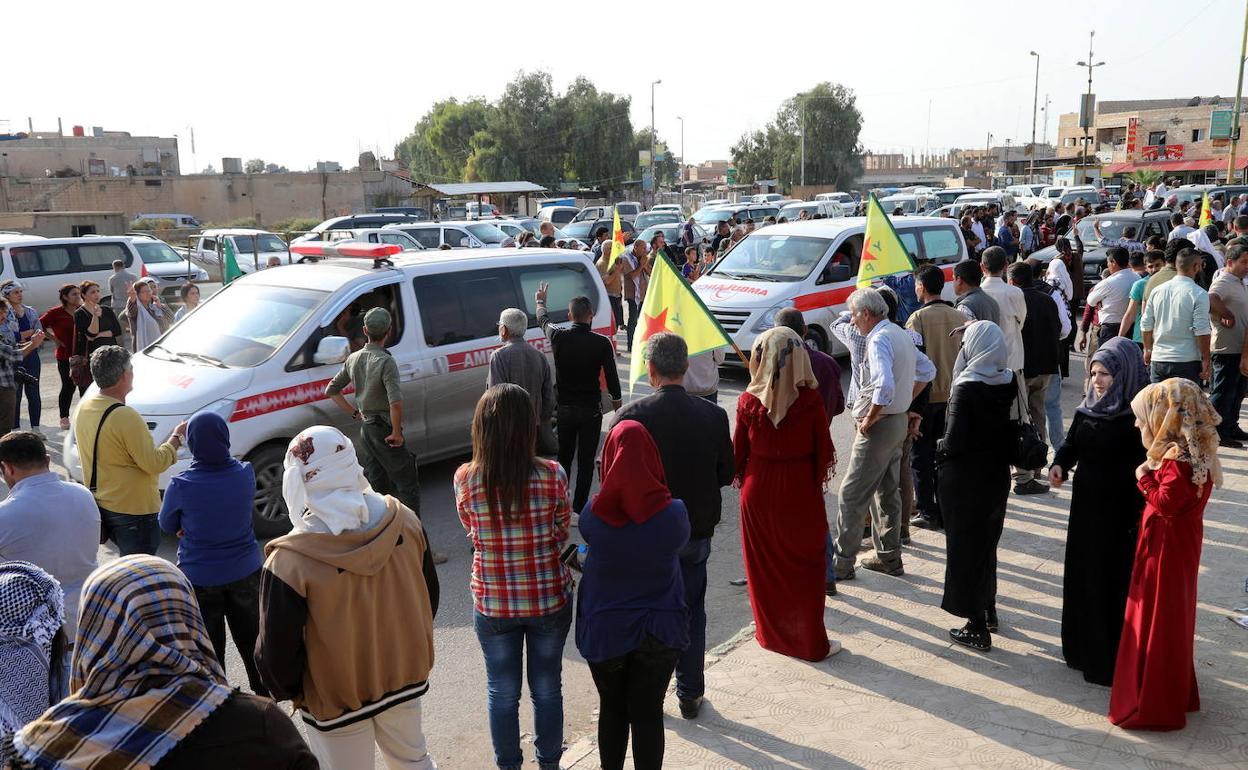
(579, 428)
(923, 462)
(630, 697)
(390, 470)
(66, 395)
(237, 603)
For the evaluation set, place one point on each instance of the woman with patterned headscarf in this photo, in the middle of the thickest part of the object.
(147, 690)
(784, 455)
(32, 647)
(1105, 509)
(1154, 679)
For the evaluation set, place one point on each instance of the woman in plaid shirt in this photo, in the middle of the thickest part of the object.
(515, 508)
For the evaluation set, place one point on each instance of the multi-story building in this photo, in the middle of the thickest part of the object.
(99, 153)
(1167, 135)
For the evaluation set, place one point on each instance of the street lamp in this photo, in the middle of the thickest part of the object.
(682, 147)
(1035, 104)
(1083, 163)
(654, 176)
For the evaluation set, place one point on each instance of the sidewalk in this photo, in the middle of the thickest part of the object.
(901, 695)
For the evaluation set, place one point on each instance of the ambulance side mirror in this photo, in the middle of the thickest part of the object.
(331, 350)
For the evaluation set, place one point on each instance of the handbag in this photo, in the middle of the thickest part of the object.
(79, 371)
(95, 468)
(1028, 450)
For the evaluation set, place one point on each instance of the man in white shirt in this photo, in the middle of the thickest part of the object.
(977, 227)
(1230, 211)
(1009, 300)
(1181, 227)
(1161, 190)
(1112, 295)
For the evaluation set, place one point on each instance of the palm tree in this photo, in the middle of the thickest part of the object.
(1144, 177)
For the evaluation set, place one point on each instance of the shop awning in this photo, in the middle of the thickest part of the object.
(1209, 164)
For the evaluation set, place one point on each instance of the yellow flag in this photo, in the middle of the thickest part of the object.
(617, 240)
(1206, 213)
(672, 306)
(882, 250)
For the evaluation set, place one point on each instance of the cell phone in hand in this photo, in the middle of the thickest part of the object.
(571, 556)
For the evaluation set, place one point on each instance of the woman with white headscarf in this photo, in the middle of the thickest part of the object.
(974, 479)
(346, 610)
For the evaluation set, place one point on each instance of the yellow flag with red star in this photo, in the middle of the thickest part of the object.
(1206, 212)
(617, 240)
(882, 250)
(671, 305)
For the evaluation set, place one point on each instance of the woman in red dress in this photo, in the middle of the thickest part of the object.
(784, 455)
(1154, 678)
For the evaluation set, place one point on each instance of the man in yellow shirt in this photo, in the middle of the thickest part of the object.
(124, 474)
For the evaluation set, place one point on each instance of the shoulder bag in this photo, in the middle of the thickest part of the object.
(1028, 450)
(95, 468)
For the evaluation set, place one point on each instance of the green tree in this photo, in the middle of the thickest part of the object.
(597, 135)
(828, 115)
(254, 166)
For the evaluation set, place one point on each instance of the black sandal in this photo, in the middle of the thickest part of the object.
(990, 620)
(968, 637)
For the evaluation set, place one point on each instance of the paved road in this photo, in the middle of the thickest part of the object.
(455, 706)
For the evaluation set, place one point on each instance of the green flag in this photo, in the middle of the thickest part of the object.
(229, 264)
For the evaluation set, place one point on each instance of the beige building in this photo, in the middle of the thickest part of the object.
(1168, 135)
(213, 198)
(65, 224)
(104, 154)
(709, 171)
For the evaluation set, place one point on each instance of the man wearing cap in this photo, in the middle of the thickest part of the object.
(389, 467)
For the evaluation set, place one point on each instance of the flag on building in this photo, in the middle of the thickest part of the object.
(882, 250)
(229, 263)
(617, 240)
(671, 305)
(1206, 213)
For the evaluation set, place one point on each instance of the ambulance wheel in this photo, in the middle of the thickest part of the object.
(268, 515)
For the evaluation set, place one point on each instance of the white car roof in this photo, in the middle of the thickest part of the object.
(901, 197)
(427, 225)
(334, 273)
(830, 228)
(219, 231)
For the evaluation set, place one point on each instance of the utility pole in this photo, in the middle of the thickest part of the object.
(801, 121)
(1090, 117)
(1044, 127)
(1035, 103)
(654, 166)
(682, 147)
(1239, 92)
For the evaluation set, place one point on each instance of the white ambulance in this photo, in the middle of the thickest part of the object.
(261, 351)
(812, 266)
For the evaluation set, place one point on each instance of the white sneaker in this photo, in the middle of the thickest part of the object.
(833, 648)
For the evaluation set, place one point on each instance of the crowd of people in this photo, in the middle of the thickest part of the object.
(954, 405)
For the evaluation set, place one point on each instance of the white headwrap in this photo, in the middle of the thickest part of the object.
(983, 356)
(324, 485)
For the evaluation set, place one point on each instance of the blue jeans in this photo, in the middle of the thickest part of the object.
(1053, 412)
(34, 400)
(133, 533)
(1164, 370)
(690, 676)
(503, 641)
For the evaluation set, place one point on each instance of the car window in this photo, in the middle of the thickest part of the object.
(429, 237)
(207, 244)
(349, 323)
(461, 306)
(100, 256)
(911, 241)
(1155, 227)
(764, 257)
(395, 238)
(562, 217)
(30, 261)
(940, 244)
(566, 281)
(455, 238)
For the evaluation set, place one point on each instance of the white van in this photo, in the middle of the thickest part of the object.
(811, 266)
(261, 350)
(909, 203)
(44, 265)
(557, 215)
(179, 220)
(457, 235)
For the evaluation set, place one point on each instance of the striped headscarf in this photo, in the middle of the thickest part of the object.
(31, 612)
(144, 673)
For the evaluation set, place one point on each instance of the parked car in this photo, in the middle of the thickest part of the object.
(950, 194)
(557, 215)
(481, 210)
(671, 233)
(179, 220)
(846, 201)
(353, 221)
(261, 351)
(673, 207)
(628, 209)
(43, 265)
(252, 248)
(909, 203)
(1005, 201)
(1026, 190)
(420, 212)
(810, 266)
(828, 210)
(1098, 227)
(457, 235)
(655, 218)
(388, 234)
(584, 230)
(595, 212)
